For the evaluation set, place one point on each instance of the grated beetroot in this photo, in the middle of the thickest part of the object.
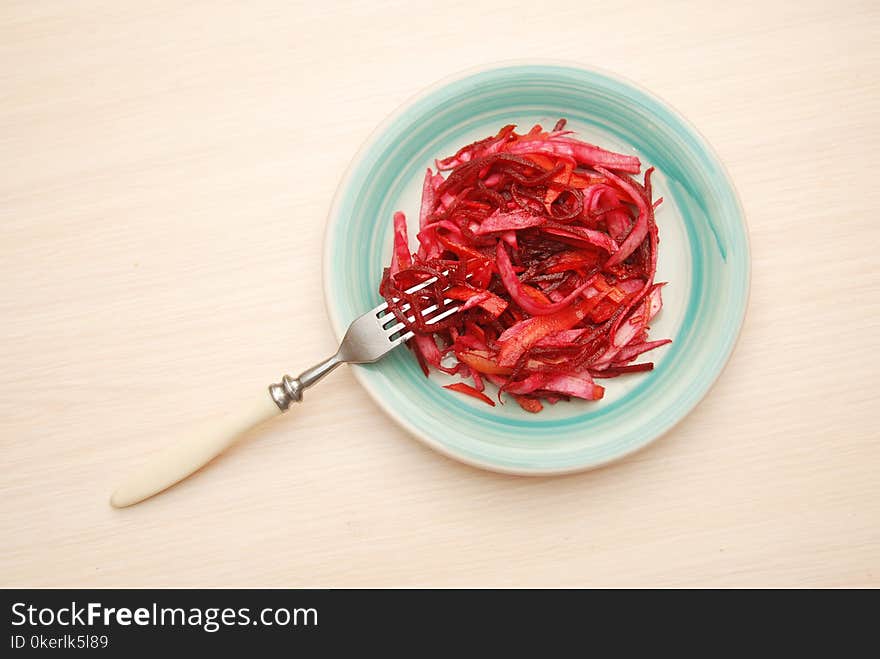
(551, 246)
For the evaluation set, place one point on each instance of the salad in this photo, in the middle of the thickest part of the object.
(549, 246)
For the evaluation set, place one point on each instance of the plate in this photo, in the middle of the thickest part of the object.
(703, 254)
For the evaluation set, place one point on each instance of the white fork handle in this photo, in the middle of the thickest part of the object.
(192, 451)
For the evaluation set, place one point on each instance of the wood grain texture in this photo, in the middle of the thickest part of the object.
(165, 172)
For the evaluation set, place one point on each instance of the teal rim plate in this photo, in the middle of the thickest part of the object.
(703, 254)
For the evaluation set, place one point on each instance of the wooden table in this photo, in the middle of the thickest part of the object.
(165, 172)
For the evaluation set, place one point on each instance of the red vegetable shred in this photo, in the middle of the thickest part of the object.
(550, 246)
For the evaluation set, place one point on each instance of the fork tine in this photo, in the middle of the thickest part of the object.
(443, 315)
(435, 319)
(384, 306)
(390, 331)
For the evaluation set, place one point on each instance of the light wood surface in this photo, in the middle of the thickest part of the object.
(165, 173)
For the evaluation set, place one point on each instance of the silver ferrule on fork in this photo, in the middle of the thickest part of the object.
(290, 390)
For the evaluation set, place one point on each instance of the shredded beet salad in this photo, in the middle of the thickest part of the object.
(550, 246)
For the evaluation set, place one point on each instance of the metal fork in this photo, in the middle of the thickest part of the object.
(370, 337)
(367, 340)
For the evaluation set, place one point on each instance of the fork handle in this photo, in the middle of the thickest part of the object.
(191, 451)
(195, 449)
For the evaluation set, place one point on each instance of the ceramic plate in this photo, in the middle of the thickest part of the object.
(703, 254)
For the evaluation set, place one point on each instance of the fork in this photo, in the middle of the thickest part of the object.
(370, 337)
